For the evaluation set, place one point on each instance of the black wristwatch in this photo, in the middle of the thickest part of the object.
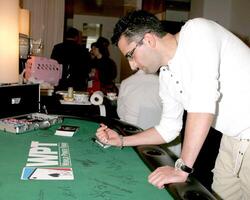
(180, 165)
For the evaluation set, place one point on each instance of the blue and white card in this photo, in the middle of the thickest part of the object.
(39, 173)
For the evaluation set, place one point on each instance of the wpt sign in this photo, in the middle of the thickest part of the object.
(48, 161)
(48, 154)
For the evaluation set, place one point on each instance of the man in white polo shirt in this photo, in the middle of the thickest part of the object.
(205, 70)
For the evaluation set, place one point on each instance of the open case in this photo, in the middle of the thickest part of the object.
(20, 109)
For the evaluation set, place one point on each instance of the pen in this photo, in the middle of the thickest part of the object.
(100, 143)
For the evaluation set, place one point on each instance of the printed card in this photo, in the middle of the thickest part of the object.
(66, 130)
(39, 173)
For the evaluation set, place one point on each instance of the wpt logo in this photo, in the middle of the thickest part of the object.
(49, 154)
(42, 154)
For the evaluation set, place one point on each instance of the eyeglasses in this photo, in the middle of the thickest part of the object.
(129, 55)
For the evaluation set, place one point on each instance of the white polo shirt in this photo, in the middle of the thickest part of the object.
(210, 73)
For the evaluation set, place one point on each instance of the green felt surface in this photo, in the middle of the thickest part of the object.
(100, 174)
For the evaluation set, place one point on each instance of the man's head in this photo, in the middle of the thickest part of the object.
(135, 25)
(72, 34)
(98, 50)
(136, 33)
(104, 41)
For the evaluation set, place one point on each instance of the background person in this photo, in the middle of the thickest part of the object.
(75, 61)
(105, 67)
(139, 103)
(105, 43)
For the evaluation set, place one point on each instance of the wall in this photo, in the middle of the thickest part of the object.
(177, 16)
(232, 14)
(218, 11)
(196, 9)
(240, 18)
(108, 24)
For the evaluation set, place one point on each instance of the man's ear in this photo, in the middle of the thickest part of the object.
(150, 39)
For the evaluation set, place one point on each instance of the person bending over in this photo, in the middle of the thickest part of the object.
(205, 70)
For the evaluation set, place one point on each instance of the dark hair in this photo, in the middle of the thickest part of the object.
(135, 24)
(72, 33)
(104, 41)
(101, 47)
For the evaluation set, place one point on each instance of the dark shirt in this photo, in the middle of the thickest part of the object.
(75, 61)
(107, 69)
(107, 72)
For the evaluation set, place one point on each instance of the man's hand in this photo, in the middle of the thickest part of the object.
(108, 136)
(165, 175)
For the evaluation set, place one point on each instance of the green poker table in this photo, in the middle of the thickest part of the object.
(99, 173)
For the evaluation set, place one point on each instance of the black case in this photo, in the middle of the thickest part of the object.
(19, 99)
(20, 109)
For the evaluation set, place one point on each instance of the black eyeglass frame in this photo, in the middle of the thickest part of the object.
(130, 54)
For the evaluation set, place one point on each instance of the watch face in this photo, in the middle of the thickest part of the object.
(179, 164)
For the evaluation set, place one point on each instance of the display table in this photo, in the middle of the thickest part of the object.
(98, 173)
(105, 174)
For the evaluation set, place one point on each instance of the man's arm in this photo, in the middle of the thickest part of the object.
(109, 136)
(147, 137)
(197, 127)
(196, 130)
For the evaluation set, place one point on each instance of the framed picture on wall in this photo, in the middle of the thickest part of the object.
(90, 33)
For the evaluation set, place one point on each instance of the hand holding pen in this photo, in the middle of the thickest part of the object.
(108, 136)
